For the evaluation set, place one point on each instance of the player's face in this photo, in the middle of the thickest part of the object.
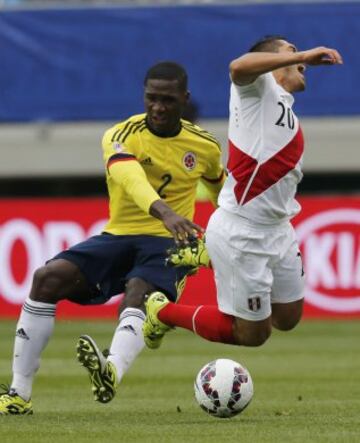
(164, 105)
(293, 76)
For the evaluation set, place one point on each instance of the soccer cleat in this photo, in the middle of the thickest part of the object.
(153, 329)
(102, 373)
(194, 254)
(12, 404)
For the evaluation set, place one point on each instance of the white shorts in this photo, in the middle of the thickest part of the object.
(254, 265)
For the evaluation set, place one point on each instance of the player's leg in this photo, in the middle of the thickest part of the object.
(207, 321)
(107, 260)
(53, 282)
(288, 285)
(146, 273)
(243, 280)
(128, 340)
(106, 373)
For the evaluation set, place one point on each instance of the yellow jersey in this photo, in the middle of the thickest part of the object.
(142, 167)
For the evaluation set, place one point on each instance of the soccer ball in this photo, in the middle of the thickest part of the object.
(223, 388)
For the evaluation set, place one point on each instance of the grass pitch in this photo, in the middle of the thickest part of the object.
(307, 389)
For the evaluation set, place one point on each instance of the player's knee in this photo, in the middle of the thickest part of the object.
(135, 293)
(286, 324)
(132, 299)
(286, 317)
(252, 338)
(46, 285)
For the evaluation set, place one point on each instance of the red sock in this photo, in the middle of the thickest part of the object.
(206, 321)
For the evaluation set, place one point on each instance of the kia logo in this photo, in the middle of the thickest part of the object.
(330, 242)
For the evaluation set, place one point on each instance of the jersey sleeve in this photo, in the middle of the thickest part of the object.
(112, 145)
(215, 175)
(123, 167)
(257, 87)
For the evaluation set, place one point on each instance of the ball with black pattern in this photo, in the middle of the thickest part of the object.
(223, 388)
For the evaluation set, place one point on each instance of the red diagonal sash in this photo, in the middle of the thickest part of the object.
(242, 166)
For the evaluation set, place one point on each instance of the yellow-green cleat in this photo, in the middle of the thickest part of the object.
(102, 373)
(194, 254)
(153, 329)
(12, 404)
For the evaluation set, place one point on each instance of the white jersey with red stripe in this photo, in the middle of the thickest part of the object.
(265, 153)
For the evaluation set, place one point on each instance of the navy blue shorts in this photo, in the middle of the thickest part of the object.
(108, 261)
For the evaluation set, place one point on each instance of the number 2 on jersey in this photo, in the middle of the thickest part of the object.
(166, 180)
(288, 118)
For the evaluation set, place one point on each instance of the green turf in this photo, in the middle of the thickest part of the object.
(307, 390)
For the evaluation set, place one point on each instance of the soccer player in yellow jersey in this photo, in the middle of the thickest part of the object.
(153, 162)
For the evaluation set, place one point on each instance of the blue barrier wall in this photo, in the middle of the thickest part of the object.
(89, 63)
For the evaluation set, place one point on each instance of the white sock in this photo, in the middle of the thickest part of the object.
(33, 330)
(128, 340)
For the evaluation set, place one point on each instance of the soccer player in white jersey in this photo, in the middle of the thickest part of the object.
(250, 240)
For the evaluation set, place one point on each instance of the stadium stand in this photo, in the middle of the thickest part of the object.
(58, 133)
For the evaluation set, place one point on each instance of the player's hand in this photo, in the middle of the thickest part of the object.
(182, 229)
(321, 56)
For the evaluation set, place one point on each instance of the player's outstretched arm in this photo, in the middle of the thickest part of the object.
(245, 69)
(180, 227)
(131, 176)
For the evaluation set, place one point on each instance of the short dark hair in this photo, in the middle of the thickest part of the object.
(168, 71)
(269, 43)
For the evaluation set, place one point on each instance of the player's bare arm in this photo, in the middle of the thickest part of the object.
(321, 56)
(245, 69)
(180, 227)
